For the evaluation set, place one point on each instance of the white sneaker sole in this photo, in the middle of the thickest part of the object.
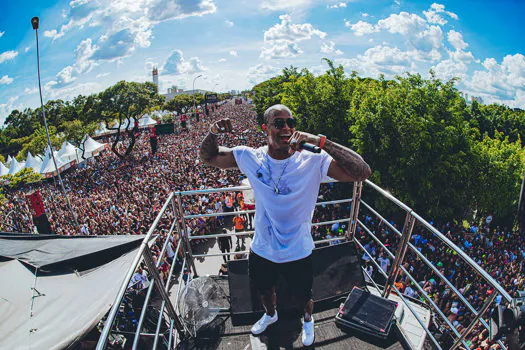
(264, 329)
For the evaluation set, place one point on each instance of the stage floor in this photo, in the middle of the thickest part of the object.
(286, 333)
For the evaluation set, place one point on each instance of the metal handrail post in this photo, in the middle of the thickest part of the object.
(354, 209)
(475, 320)
(184, 236)
(142, 316)
(401, 251)
(118, 300)
(148, 258)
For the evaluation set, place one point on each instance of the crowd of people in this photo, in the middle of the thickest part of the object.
(110, 195)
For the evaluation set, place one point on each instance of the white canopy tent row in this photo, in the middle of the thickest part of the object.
(67, 156)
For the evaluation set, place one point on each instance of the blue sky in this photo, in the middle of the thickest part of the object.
(88, 45)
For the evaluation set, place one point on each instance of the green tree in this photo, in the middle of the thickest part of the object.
(498, 167)
(181, 104)
(24, 176)
(126, 102)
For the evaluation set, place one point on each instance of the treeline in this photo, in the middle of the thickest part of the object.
(124, 102)
(441, 156)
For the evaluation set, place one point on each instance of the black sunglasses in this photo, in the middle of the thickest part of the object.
(279, 123)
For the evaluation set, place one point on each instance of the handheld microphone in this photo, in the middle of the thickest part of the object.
(309, 147)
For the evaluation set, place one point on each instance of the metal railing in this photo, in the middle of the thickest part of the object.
(353, 221)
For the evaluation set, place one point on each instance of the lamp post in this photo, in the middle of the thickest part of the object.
(35, 23)
(193, 92)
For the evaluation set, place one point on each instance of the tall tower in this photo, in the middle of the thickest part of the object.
(156, 78)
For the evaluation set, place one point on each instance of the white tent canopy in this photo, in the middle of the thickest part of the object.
(33, 163)
(3, 169)
(68, 152)
(92, 147)
(146, 121)
(48, 167)
(15, 166)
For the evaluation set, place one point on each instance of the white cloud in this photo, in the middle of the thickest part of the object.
(380, 60)
(449, 69)
(127, 24)
(65, 76)
(459, 55)
(176, 64)
(365, 15)
(229, 23)
(361, 28)
(233, 53)
(280, 49)
(5, 80)
(8, 55)
(2, 34)
(53, 34)
(101, 75)
(281, 5)
(403, 23)
(292, 32)
(6, 108)
(84, 63)
(501, 83)
(222, 60)
(426, 39)
(281, 39)
(29, 91)
(329, 47)
(336, 6)
(70, 92)
(260, 73)
(456, 40)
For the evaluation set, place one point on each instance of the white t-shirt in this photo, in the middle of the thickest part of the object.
(283, 221)
(384, 262)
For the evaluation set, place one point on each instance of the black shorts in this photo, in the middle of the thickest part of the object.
(297, 274)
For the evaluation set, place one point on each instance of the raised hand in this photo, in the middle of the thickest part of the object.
(222, 126)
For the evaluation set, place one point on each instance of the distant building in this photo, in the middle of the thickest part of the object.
(173, 91)
(156, 78)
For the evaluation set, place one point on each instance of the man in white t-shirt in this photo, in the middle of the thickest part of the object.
(285, 182)
(384, 262)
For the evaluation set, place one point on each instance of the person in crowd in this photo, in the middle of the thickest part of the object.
(225, 245)
(286, 183)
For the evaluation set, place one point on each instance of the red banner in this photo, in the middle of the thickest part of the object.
(36, 205)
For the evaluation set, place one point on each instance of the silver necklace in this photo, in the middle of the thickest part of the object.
(275, 185)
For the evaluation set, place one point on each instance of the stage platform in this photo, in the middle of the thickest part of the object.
(286, 333)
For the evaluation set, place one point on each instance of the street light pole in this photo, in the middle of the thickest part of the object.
(193, 92)
(35, 23)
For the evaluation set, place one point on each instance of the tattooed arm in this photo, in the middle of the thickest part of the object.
(211, 153)
(347, 166)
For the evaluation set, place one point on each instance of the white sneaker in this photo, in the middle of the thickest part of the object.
(308, 335)
(261, 325)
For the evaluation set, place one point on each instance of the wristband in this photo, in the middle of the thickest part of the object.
(322, 140)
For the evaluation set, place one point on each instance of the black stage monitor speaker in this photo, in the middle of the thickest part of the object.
(336, 268)
(367, 313)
